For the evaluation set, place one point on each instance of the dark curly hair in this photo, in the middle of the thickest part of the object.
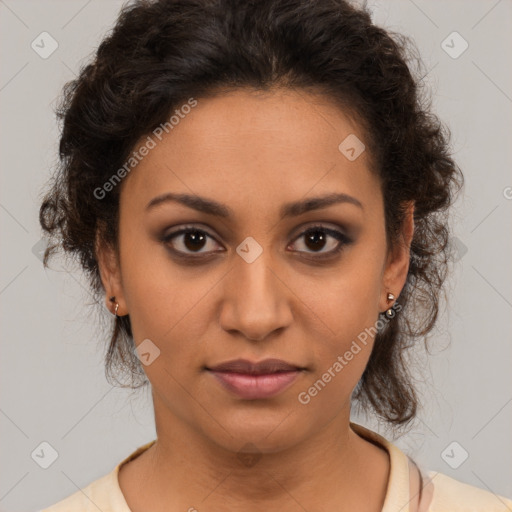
(160, 53)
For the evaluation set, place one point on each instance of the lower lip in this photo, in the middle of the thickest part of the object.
(252, 387)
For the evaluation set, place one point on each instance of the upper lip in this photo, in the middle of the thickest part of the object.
(262, 367)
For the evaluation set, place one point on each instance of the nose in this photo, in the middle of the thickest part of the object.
(256, 300)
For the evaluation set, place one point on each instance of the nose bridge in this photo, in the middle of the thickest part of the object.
(254, 302)
(253, 270)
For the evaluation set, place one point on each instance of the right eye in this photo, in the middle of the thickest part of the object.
(187, 239)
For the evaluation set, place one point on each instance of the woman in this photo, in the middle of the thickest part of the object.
(259, 194)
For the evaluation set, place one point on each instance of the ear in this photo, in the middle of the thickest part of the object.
(398, 259)
(110, 272)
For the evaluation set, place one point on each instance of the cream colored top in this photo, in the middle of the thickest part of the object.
(440, 493)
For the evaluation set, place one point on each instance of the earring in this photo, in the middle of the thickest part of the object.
(113, 299)
(389, 312)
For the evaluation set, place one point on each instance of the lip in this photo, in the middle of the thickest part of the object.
(256, 380)
(266, 366)
(253, 387)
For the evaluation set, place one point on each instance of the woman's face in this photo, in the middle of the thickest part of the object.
(252, 284)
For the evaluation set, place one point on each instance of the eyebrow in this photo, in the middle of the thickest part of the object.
(211, 207)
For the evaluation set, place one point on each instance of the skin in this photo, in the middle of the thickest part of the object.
(254, 152)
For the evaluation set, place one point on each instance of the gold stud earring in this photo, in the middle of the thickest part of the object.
(389, 312)
(113, 299)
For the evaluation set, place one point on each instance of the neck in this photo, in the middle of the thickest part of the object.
(274, 472)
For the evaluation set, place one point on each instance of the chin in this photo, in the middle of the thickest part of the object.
(261, 429)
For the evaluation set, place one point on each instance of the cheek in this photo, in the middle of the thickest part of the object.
(156, 291)
(341, 357)
(164, 302)
(168, 305)
(346, 301)
(345, 319)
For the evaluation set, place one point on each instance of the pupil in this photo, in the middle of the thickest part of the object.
(315, 237)
(196, 239)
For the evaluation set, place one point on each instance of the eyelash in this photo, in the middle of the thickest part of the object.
(343, 240)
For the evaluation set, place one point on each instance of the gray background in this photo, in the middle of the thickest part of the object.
(52, 376)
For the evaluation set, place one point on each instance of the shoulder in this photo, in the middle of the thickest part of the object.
(102, 494)
(450, 495)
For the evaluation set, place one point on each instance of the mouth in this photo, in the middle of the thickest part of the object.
(265, 367)
(253, 381)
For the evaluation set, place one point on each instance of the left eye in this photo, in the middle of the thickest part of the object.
(316, 238)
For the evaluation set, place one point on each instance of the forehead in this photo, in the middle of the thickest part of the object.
(253, 146)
